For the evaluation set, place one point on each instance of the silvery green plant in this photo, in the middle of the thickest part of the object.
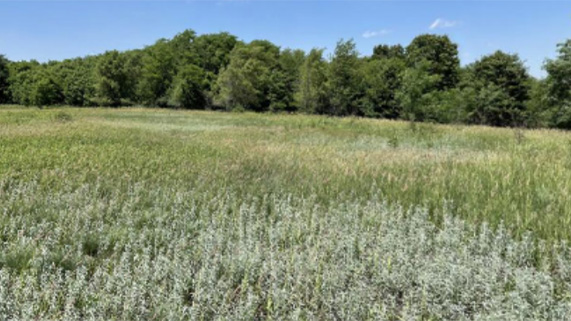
(201, 254)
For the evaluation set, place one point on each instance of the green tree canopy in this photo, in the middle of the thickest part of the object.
(77, 80)
(345, 81)
(21, 81)
(285, 80)
(388, 51)
(311, 95)
(112, 78)
(46, 89)
(157, 73)
(559, 87)
(383, 78)
(441, 54)
(188, 90)
(414, 94)
(422, 82)
(4, 84)
(246, 82)
(502, 84)
(213, 51)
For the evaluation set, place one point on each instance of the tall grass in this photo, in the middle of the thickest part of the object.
(483, 174)
(150, 214)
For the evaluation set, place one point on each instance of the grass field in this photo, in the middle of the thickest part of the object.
(146, 214)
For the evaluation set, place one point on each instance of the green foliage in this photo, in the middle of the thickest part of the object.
(17, 258)
(247, 81)
(284, 81)
(382, 79)
(312, 93)
(558, 96)
(46, 90)
(447, 106)
(441, 55)
(345, 80)
(414, 95)
(35, 84)
(77, 80)
(112, 79)
(213, 50)
(182, 47)
(423, 82)
(502, 86)
(158, 71)
(388, 52)
(538, 113)
(188, 88)
(4, 80)
(451, 106)
(21, 81)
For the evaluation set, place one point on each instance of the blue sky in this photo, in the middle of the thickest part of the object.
(53, 30)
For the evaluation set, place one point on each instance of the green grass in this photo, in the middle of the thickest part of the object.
(278, 214)
(481, 174)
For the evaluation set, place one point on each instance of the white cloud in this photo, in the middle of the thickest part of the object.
(441, 23)
(370, 34)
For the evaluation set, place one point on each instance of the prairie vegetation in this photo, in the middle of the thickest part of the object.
(132, 214)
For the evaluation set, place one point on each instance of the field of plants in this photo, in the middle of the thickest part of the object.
(154, 214)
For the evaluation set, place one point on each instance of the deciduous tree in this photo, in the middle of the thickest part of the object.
(4, 84)
(440, 53)
(383, 78)
(246, 82)
(188, 90)
(559, 87)
(345, 80)
(312, 93)
(112, 79)
(502, 85)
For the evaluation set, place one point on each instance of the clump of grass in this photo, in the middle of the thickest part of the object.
(17, 258)
(393, 141)
(91, 245)
(63, 117)
(62, 259)
(519, 136)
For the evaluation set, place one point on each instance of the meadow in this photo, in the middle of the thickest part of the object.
(154, 214)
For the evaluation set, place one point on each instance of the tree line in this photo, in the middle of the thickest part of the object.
(420, 82)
